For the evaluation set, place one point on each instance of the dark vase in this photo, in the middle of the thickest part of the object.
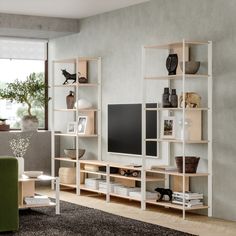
(70, 100)
(165, 98)
(173, 98)
(172, 63)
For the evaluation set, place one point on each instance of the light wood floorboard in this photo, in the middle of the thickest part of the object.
(195, 224)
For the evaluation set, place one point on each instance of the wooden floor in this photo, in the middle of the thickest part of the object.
(195, 224)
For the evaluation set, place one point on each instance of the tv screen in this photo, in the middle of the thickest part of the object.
(125, 129)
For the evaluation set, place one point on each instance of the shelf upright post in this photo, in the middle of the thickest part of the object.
(108, 183)
(53, 128)
(77, 135)
(183, 123)
(210, 84)
(143, 169)
(99, 112)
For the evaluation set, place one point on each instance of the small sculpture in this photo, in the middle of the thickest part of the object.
(133, 173)
(172, 63)
(69, 76)
(161, 192)
(192, 100)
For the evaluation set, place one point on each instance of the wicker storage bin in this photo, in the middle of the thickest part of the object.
(191, 163)
(67, 175)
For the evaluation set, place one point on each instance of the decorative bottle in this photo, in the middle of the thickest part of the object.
(165, 98)
(173, 98)
(70, 100)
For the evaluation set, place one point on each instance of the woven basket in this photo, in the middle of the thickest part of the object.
(191, 163)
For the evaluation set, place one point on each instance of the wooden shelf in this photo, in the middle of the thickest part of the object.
(74, 110)
(177, 77)
(93, 162)
(177, 45)
(65, 134)
(177, 141)
(65, 110)
(177, 109)
(125, 177)
(51, 204)
(68, 185)
(88, 135)
(126, 197)
(176, 206)
(94, 172)
(128, 167)
(82, 187)
(177, 173)
(65, 159)
(74, 135)
(76, 84)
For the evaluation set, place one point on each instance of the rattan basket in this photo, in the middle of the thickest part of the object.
(191, 163)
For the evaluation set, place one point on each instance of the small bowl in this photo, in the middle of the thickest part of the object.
(191, 67)
(33, 174)
(71, 153)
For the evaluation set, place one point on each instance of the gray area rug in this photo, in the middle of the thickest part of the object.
(79, 220)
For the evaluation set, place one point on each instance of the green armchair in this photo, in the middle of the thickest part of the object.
(9, 213)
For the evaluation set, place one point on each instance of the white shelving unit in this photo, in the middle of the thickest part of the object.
(182, 77)
(75, 113)
(127, 180)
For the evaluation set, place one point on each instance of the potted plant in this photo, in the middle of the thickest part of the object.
(30, 92)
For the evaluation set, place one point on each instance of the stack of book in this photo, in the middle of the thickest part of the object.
(103, 186)
(124, 191)
(191, 199)
(37, 200)
(93, 183)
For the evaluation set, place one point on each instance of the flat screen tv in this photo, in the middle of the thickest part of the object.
(125, 129)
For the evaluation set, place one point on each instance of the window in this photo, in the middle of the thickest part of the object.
(18, 60)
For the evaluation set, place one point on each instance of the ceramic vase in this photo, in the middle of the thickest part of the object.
(21, 166)
(172, 63)
(70, 100)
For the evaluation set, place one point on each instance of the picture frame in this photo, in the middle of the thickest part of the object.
(168, 127)
(82, 124)
(71, 128)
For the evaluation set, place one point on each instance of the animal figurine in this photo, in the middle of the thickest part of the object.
(161, 192)
(192, 100)
(69, 76)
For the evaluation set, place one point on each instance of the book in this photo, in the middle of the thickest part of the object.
(34, 200)
(188, 204)
(188, 195)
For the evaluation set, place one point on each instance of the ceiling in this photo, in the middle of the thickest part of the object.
(76, 9)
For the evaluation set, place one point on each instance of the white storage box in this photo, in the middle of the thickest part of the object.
(103, 186)
(124, 191)
(93, 183)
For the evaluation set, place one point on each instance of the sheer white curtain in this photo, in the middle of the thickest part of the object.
(14, 48)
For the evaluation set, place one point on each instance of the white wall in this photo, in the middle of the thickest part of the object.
(117, 37)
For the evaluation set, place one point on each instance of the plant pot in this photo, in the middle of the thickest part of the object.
(29, 123)
(21, 166)
(191, 164)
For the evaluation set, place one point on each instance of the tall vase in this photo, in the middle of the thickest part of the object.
(21, 166)
(70, 100)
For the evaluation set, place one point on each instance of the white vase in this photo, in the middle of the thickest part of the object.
(21, 166)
